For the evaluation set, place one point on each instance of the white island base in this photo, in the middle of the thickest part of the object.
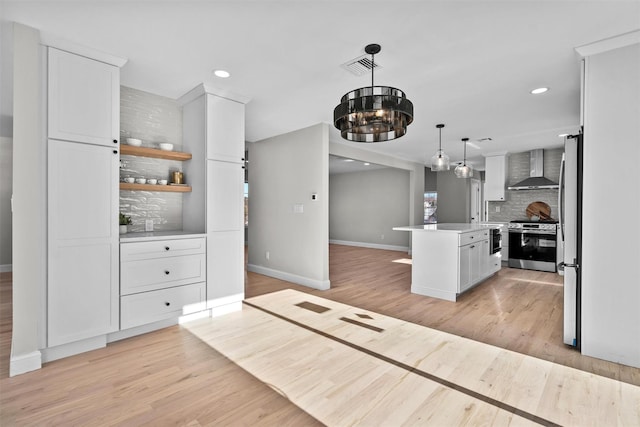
(449, 259)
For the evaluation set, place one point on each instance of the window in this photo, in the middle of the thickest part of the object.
(430, 208)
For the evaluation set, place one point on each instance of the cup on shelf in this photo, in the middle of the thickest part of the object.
(162, 181)
(129, 180)
(141, 181)
(152, 181)
(166, 146)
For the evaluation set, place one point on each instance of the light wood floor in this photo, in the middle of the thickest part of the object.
(171, 377)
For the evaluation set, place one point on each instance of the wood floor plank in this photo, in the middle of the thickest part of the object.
(334, 383)
(553, 392)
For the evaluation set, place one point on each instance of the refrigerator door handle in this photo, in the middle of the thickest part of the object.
(560, 197)
(564, 265)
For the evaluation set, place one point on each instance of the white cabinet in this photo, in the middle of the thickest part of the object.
(473, 259)
(495, 177)
(225, 129)
(83, 99)
(225, 196)
(161, 279)
(446, 263)
(214, 126)
(83, 106)
(82, 296)
(225, 265)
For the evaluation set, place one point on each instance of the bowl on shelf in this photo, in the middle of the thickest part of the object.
(166, 146)
(152, 181)
(141, 181)
(134, 142)
(129, 180)
(163, 182)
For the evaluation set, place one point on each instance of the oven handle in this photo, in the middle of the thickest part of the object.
(544, 232)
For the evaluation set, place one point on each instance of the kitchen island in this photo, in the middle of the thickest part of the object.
(450, 258)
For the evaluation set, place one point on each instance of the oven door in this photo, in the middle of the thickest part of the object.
(532, 250)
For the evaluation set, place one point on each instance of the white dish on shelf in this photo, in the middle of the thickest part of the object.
(162, 182)
(129, 180)
(141, 181)
(134, 142)
(166, 146)
(152, 181)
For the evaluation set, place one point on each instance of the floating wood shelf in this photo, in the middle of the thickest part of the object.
(155, 153)
(150, 187)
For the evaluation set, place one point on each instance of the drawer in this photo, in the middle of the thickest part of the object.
(148, 307)
(157, 273)
(473, 236)
(161, 248)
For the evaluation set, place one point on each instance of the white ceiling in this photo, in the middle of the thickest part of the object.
(468, 64)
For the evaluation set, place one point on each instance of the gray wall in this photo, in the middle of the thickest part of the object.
(416, 174)
(453, 198)
(284, 172)
(365, 206)
(516, 201)
(430, 180)
(6, 142)
(153, 119)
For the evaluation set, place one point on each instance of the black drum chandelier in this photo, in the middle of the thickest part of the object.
(373, 113)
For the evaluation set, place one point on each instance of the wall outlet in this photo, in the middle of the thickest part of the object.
(382, 237)
(148, 225)
(497, 208)
(266, 255)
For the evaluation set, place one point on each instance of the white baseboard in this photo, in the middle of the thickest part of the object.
(25, 363)
(370, 245)
(322, 285)
(71, 349)
(6, 268)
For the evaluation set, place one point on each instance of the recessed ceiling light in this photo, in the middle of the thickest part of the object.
(348, 160)
(222, 74)
(539, 90)
(562, 135)
(367, 164)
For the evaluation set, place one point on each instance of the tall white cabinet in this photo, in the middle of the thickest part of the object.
(83, 98)
(214, 132)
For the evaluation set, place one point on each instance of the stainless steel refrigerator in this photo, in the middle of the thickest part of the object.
(570, 235)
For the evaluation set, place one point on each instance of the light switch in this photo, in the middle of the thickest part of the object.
(148, 225)
(298, 208)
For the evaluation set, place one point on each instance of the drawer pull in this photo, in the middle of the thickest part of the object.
(166, 272)
(473, 246)
(166, 248)
(167, 303)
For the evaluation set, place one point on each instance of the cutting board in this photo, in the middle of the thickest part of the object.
(539, 209)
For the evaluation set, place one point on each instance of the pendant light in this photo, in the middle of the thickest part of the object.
(373, 113)
(440, 161)
(464, 171)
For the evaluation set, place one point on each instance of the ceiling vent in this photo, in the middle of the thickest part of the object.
(361, 65)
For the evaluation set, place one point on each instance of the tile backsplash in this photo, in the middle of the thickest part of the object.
(153, 119)
(515, 205)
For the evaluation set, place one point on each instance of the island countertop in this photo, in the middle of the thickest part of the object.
(451, 227)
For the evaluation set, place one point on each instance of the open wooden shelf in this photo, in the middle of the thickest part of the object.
(150, 187)
(155, 153)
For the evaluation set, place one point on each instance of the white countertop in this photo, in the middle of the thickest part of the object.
(448, 227)
(158, 235)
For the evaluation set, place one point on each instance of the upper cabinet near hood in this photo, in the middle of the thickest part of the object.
(495, 178)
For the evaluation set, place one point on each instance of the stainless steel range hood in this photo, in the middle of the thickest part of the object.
(536, 180)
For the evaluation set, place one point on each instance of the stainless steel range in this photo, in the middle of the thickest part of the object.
(533, 244)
